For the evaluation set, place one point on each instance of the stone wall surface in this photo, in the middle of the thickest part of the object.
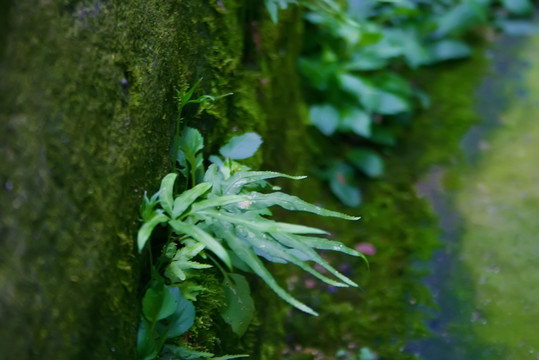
(87, 112)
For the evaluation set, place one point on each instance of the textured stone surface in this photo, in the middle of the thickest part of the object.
(86, 119)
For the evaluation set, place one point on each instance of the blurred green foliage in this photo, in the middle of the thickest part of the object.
(359, 62)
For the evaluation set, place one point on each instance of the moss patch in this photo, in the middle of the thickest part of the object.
(86, 126)
(389, 313)
(498, 203)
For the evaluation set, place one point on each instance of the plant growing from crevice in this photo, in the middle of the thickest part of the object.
(221, 218)
(226, 213)
(168, 311)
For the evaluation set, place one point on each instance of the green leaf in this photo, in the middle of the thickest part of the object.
(347, 194)
(216, 160)
(356, 121)
(304, 245)
(325, 244)
(292, 203)
(233, 184)
(413, 49)
(169, 250)
(460, 17)
(250, 258)
(367, 354)
(185, 199)
(181, 262)
(273, 10)
(374, 99)
(173, 352)
(341, 183)
(146, 229)
(394, 83)
(190, 249)
(185, 96)
(219, 201)
(214, 176)
(184, 166)
(184, 316)
(158, 303)
(517, 27)
(449, 49)
(518, 7)
(325, 117)
(273, 251)
(238, 263)
(198, 234)
(190, 289)
(367, 161)
(239, 308)
(387, 47)
(262, 224)
(365, 61)
(389, 104)
(241, 147)
(146, 344)
(148, 205)
(166, 192)
(191, 142)
(176, 269)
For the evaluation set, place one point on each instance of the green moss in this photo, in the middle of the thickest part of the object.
(498, 205)
(436, 133)
(86, 126)
(389, 313)
(208, 305)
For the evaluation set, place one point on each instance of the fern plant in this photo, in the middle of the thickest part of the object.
(225, 214)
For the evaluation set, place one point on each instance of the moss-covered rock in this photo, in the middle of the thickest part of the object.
(87, 115)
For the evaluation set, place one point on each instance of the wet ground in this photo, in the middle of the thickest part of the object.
(485, 278)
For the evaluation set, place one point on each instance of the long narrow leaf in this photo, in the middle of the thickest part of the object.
(203, 237)
(166, 192)
(178, 352)
(234, 184)
(273, 248)
(218, 201)
(264, 225)
(325, 244)
(292, 203)
(250, 258)
(185, 97)
(183, 201)
(146, 229)
(292, 241)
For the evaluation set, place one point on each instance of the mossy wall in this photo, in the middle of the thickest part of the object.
(87, 117)
(87, 114)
